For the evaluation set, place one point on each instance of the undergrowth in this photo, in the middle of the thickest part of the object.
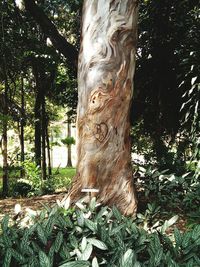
(91, 235)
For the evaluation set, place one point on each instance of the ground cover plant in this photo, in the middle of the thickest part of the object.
(94, 236)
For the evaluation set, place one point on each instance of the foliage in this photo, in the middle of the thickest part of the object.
(166, 78)
(32, 184)
(68, 141)
(168, 190)
(87, 236)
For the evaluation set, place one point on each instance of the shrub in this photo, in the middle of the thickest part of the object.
(22, 187)
(84, 237)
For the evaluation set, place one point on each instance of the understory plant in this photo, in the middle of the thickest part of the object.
(91, 235)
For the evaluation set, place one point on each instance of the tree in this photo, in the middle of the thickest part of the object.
(106, 68)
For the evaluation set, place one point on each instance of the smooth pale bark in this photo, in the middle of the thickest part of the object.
(106, 69)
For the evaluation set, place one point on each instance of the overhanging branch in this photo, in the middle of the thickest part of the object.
(47, 26)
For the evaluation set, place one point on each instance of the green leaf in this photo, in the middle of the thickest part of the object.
(97, 243)
(158, 256)
(17, 256)
(127, 259)
(186, 239)
(91, 225)
(76, 264)
(95, 262)
(80, 218)
(87, 252)
(7, 258)
(41, 234)
(83, 243)
(44, 260)
(58, 241)
(116, 213)
(73, 241)
(178, 237)
(169, 223)
(92, 204)
(4, 223)
(49, 225)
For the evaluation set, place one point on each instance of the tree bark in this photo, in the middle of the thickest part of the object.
(5, 141)
(37, 111)
(48, 151)
(44, 172)
(106, 69)
(22, 128)
(69, 147)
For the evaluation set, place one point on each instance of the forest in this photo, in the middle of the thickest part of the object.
(117, 82)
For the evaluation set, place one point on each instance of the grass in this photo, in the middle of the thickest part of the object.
(63, 178)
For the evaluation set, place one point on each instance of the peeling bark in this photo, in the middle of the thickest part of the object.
(106, 69)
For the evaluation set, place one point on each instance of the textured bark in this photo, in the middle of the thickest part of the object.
(106, 69)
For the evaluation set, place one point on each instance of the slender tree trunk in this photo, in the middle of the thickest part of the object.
(5, 141)
(44, 173)
(38, 128)
(22, 128)
(69, 147)
(48, 151)
(106, 69)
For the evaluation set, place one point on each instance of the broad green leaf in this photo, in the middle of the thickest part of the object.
(127, 259)
(91, 225)
(169, 223)
(87, 252)
(58, 241)
(116, 213)
(178, 237)
(76, 264)
(97, 243)
(44, 260)
(95, 262)
(7, 258)
(41, 234)
(4, 223)
(83, 243)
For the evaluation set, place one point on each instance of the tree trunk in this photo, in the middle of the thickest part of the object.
(48, 151)
(38, 128)
(106, 69)
(5, 141)
(69, 147)
(44, 173)
(22, 128)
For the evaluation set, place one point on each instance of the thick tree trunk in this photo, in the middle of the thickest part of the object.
(106, 69)
(69, 148)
